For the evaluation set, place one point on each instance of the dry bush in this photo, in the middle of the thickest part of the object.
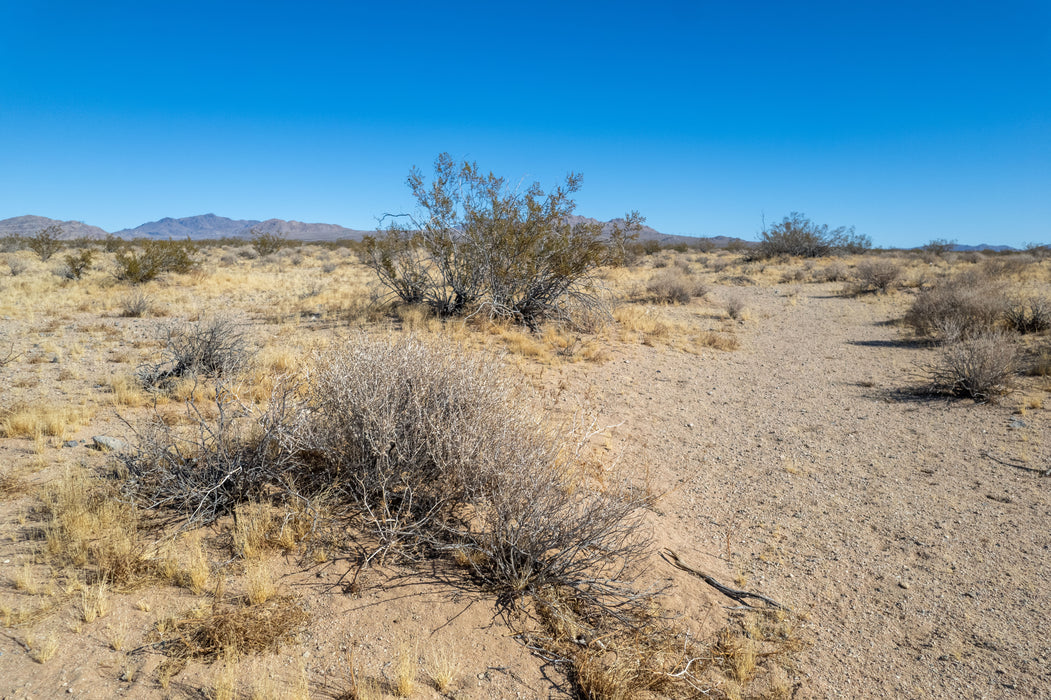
(735, 307)
(674, 287)
(964, 305)
(980, 366)
(876, 276)
(202, 470)
(216, 347)
(439, 448)
(1028, 314)
(135, 305)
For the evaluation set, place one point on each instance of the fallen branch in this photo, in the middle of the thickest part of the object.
(740, 596)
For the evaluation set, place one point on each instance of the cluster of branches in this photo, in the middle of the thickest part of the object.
(479, 245)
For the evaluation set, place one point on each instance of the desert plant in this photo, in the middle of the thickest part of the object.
(46, 242)
(215, 347)
(799, 236)
(674, 287)
(875, 276)
(735, 307)
(76, 264)
(267, 242)
(153, 258)
(936, 248)
(979, 366)
(1028, 314)
(964, 305)
(135, 304)
(480, 245)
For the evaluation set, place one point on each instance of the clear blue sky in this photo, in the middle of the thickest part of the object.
(909, 120)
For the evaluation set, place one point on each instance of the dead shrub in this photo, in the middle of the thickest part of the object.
(215, 347)
(1028, 314)
(979, 366)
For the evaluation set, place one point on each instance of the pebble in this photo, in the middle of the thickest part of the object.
(904, 584)
(105, 442)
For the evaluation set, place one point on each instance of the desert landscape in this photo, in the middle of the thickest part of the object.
(816, 477)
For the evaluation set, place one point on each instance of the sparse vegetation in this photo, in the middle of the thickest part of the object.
(267, 242)
(877, 276)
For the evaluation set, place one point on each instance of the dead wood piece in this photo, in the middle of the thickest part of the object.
(740, 596)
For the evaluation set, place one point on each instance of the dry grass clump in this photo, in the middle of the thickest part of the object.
(40, 419)
(136, 304)
(228, 628)
(86, 526)
(980, 366)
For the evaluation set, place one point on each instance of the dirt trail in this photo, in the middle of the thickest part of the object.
(923, 564)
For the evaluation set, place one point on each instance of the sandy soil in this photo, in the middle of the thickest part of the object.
(911, 532)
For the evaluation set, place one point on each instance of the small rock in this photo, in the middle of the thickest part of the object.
(904, 584)
(71, 443)
(109, 444)
(1018, 424)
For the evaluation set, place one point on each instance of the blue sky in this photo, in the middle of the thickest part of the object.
(908, 120)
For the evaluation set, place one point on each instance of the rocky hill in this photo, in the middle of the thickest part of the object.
(29, 225)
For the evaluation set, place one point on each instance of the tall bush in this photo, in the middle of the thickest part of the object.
(480, 245)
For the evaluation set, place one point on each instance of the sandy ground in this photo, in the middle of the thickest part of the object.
(800, 466)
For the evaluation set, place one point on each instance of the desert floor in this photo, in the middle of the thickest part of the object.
(908, 533)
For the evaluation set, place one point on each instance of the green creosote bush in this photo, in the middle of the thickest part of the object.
(152, 258)
(46, 242)
(76, 264)
(797, 235)
(267, 242)
(481, 246)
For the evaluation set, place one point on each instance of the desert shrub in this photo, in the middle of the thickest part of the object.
(76, 264)
(875, 276)
(961, 306)
(797, 235)
(17, 266)
(980, 366)
(1028, 314)
(135, 305)
(735, 307)
(935, 249)
(267, 242)
(1007, 265)
(153, 258)
(482, 246)
(674, 287)
(215, 347)
(46, 242)
(833, 272)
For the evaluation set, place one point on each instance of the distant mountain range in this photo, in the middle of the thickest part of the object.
(210, 226)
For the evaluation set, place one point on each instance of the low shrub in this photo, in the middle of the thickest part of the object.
(76, 264)
(215, 347)
(877, 276)
(1028, 314)
(46, 242)
(980, 366)
(962, 306)
(673, 286)
(152, 258)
